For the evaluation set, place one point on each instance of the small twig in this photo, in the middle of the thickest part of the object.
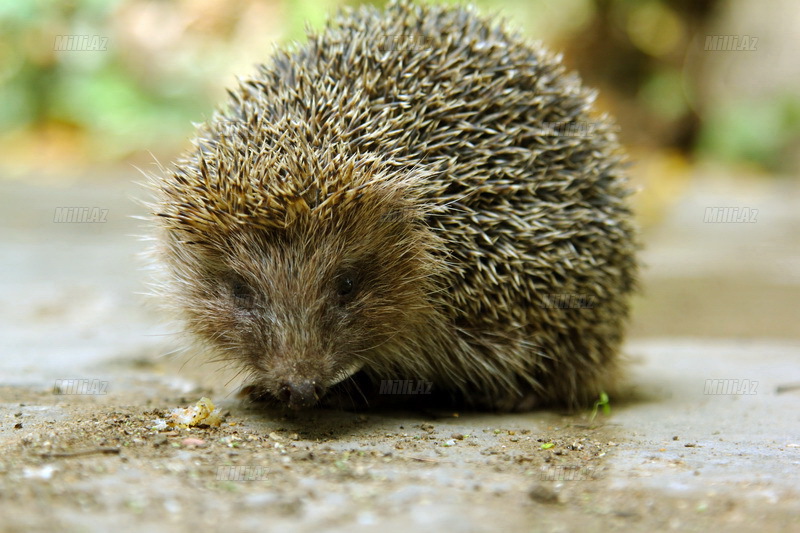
(78, 453)
(427, 460)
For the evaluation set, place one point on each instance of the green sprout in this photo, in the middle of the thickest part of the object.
(602, 402)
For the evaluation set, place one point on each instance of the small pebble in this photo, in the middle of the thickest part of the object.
(543, 494)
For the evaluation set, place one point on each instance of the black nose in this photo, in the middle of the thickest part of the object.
(300, 394)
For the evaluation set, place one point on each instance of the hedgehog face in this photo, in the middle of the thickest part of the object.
(305, 306)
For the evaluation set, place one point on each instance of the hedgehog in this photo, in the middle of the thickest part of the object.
(416, 194)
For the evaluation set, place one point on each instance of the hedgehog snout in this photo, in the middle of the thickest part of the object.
(300, 394)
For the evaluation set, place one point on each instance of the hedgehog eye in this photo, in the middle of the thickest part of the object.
(242, 293)
(345, 286)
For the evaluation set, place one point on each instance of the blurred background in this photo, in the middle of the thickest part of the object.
(160, 65)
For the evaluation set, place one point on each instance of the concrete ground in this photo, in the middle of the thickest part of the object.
(707, 437)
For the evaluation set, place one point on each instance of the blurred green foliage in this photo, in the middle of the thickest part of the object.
(92, 93)
(761, 132)
(167, 62)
